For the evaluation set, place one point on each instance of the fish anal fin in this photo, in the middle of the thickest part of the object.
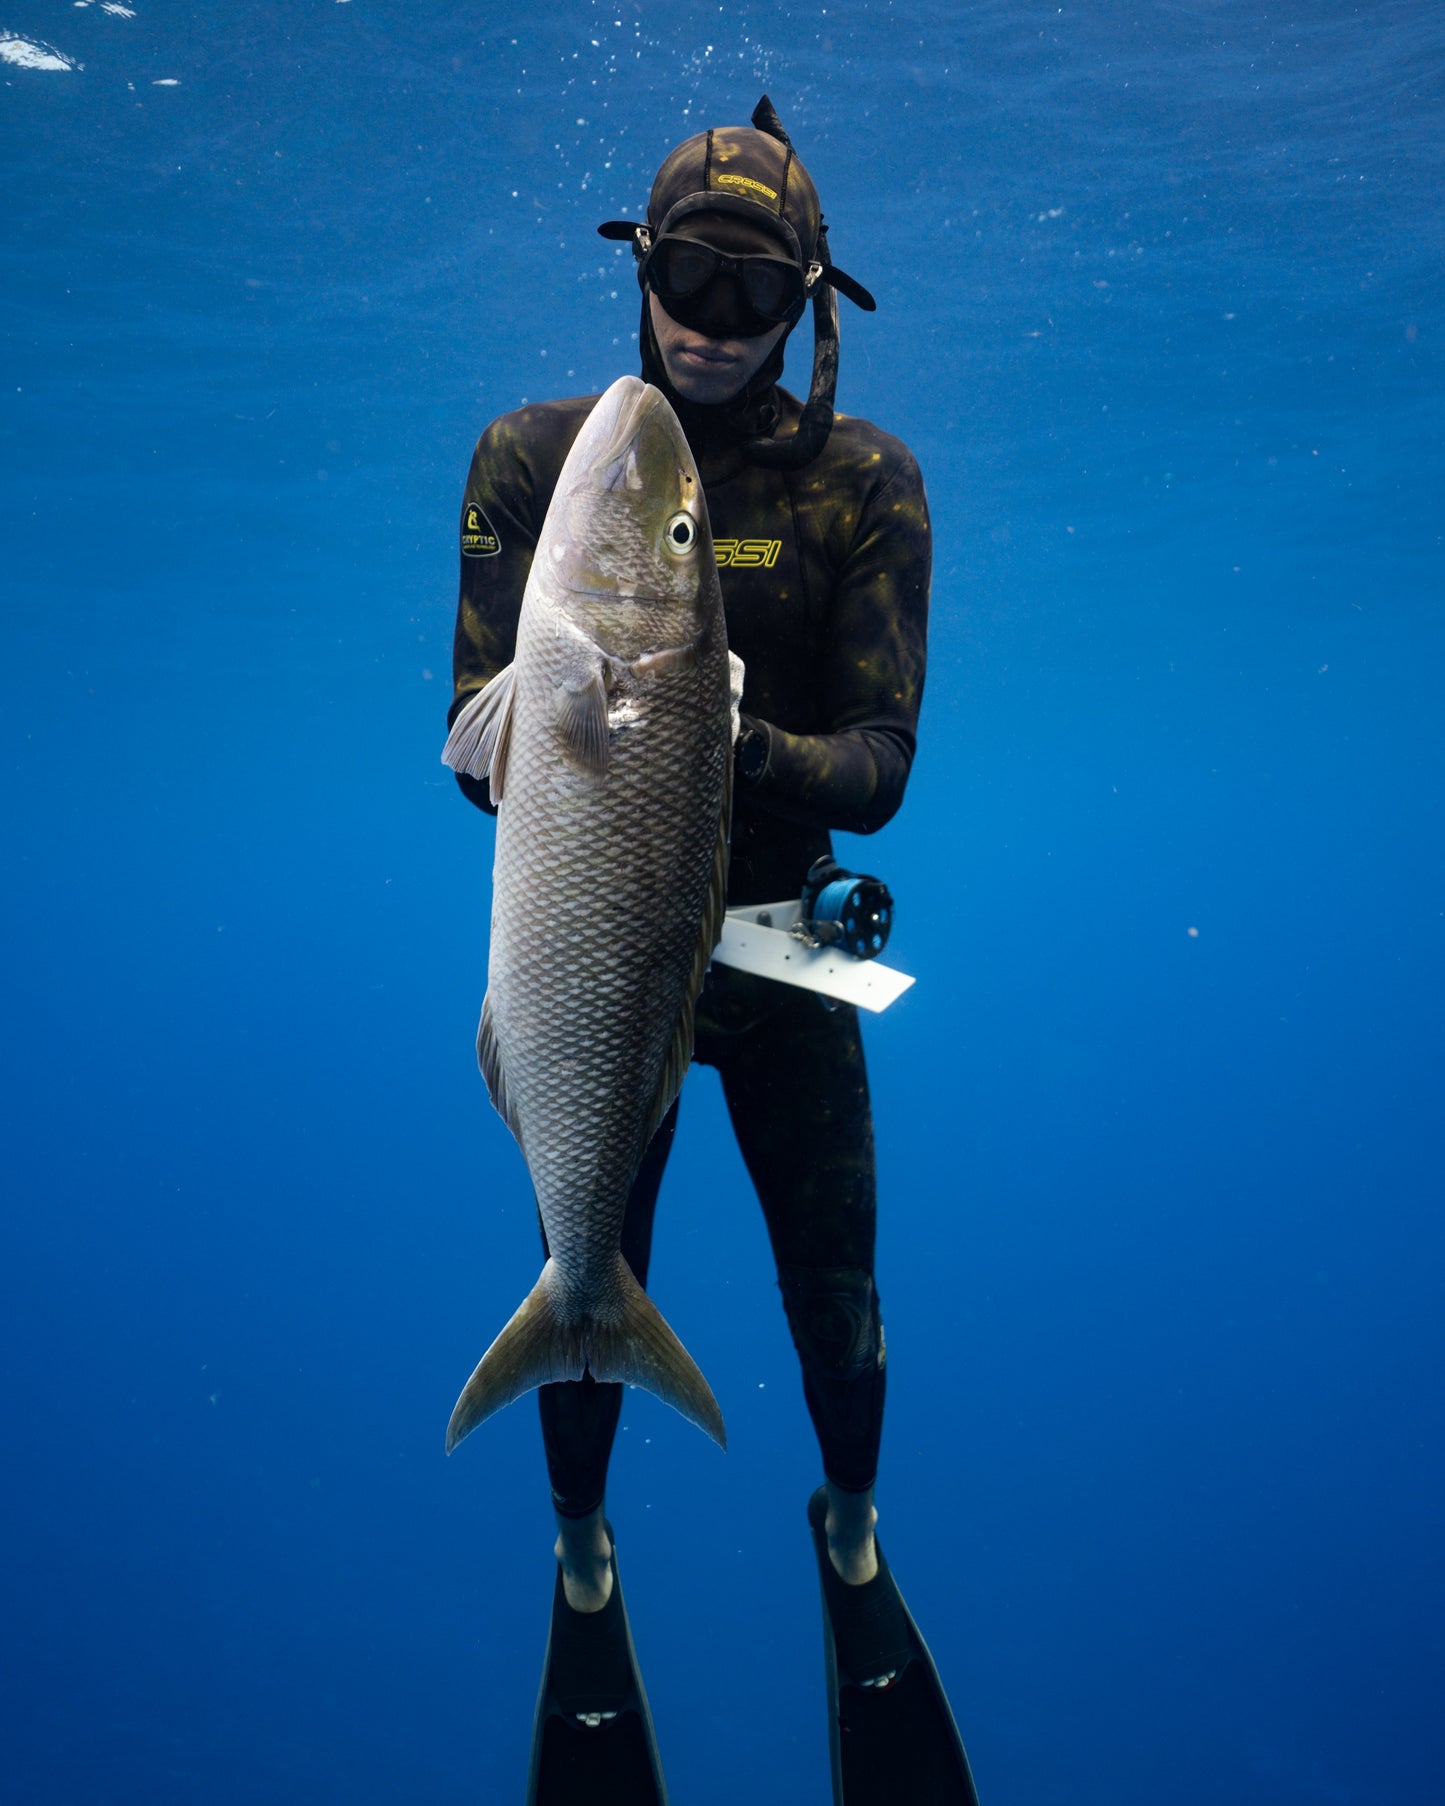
(489, 1059)
(481, 734)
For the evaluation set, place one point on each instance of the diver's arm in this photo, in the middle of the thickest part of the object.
(502, 486)
(853, 777)
(852, 780)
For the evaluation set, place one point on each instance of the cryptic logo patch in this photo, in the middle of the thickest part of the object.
(479, 536)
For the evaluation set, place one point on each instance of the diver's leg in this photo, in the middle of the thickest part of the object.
(809, 1152)
(579, 1417)
(808, 1144)
(849, 1528)
(584, 1550)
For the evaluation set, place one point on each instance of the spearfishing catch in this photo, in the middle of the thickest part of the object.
(823, 550)
(607, 744)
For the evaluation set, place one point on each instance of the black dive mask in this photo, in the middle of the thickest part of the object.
(724, 296)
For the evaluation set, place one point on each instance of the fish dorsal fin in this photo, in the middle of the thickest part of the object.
(477, 744)
(679, 1055)
(579, 713)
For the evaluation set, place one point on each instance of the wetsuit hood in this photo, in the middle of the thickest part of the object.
(754, 173)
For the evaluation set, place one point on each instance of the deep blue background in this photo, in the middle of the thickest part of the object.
(1161, 315)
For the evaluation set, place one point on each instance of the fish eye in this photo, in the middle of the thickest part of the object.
(680, 533)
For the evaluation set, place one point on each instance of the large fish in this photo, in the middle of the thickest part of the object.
(608, 745)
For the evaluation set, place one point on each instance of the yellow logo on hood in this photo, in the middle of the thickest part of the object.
(728, 180)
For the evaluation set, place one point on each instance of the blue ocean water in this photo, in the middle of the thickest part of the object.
(1160, 1125)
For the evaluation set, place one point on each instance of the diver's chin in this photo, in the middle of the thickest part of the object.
(706, 369)
(706, 381)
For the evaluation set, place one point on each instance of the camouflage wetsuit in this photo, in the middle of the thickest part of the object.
(825, 574)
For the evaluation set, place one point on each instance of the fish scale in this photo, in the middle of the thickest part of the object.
(608, 744)
(580, 1131)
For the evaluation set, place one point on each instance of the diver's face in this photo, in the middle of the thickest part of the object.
(704, 369)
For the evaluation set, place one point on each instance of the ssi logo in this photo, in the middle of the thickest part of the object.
(748, 554)
(479, 537)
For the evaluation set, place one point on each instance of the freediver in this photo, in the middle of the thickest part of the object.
(822, 535)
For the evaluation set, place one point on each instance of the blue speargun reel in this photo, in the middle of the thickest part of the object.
(844, 909)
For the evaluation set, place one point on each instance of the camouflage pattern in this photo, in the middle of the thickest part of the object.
(825, 574)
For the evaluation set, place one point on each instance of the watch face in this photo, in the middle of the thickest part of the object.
(752, 754)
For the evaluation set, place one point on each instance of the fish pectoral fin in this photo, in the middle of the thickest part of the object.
(481, 734)
(579, 713)
(735, 690)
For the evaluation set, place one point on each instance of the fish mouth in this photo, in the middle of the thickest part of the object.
(635, 404)
(614, 592)
(635, 459)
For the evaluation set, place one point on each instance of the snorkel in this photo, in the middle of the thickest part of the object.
(810, 435)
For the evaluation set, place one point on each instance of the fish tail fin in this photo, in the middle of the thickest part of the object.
(639, 1348)
(539, 1344)
(543, 1343)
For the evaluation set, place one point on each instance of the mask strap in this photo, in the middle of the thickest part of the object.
(810, 435)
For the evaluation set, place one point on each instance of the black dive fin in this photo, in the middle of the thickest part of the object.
(896, 1742)
(592, 1737)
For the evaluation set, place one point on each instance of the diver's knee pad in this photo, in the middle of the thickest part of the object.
(833, 1314)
